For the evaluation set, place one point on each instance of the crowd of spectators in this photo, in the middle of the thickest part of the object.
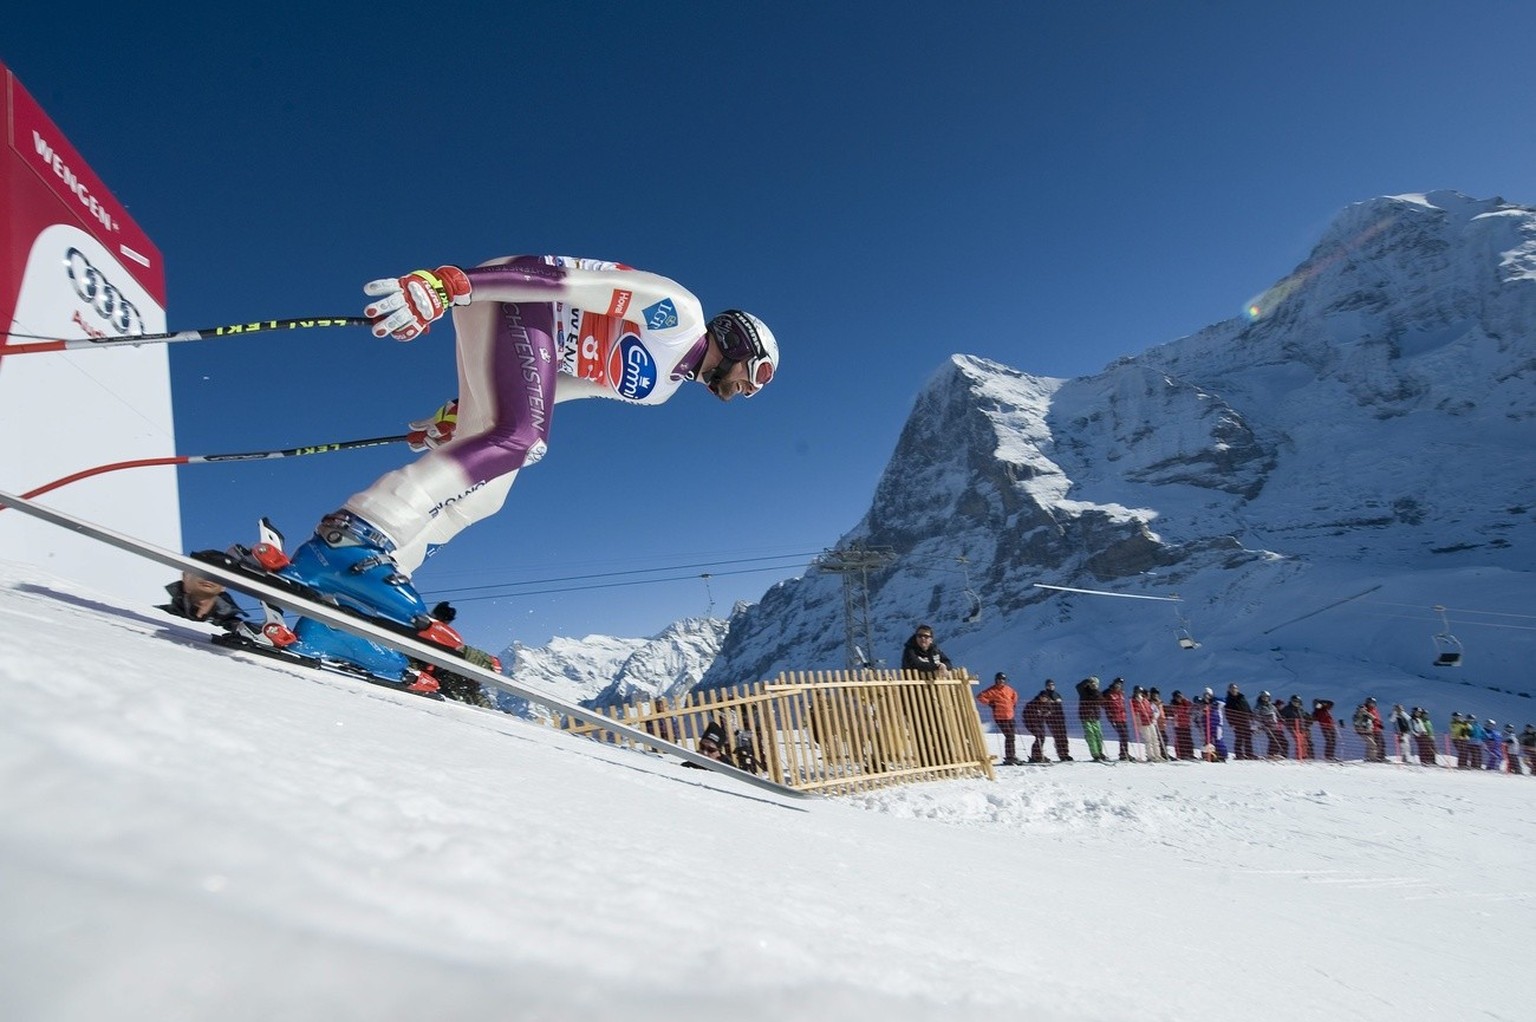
(1213, 728)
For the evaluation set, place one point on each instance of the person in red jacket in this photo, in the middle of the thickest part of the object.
(1145, 718)
(1114, 709)
(1002, 698)
(1181, 710)
(1322, 715)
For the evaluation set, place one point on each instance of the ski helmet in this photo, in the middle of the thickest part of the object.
(744, 338)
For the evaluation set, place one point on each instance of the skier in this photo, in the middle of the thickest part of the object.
(530, 332)
(1056, 720)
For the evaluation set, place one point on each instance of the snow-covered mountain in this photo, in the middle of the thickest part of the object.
(1310, 480)
(602, 670)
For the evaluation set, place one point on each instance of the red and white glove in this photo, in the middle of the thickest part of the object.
(408, 306)
(433, 432)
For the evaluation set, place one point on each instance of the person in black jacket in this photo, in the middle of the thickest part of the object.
(202, 599)
(1240, 720)
(923, 655)
(1056, 720)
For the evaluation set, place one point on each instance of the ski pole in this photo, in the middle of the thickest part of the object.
(195, 459)
(43, 343)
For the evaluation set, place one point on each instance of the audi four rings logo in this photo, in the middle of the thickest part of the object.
(95, 290)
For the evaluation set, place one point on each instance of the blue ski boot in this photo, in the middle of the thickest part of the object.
(323, 642)
(349, 560)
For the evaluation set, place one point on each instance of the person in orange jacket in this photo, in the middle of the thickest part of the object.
(1002, 698)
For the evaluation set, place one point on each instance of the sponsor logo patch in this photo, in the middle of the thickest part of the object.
(619, 304)
(632, 369)
(661, 316)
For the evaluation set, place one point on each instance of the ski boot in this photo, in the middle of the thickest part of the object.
(349, 561)
(333, 646)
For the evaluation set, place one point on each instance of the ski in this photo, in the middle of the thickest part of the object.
(237, 642)
(288, 595)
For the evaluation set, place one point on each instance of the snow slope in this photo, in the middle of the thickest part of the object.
(186, 835)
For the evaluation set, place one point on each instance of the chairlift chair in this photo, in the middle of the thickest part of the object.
(1181, 633)
(1448, 648)
(970, 594)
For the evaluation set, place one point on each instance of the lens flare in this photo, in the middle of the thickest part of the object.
(1271, 299)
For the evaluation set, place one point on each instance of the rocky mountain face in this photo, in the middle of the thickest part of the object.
(1370, 425)
(601, 670)
(1320, 493)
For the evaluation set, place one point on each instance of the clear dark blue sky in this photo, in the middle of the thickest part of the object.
(1051, 185)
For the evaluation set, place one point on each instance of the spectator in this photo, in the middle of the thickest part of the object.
(1528, 747)
(1512, 750)
(202, 599)
(923, 656)
(744, 753)
(661, 727)
(1402, 724)
(712, 743)
(1460, 730)
(1160, 718)
(1322, 715)
(1268, 716)
(1114, 709)
(1296, 723)
(1211, 718)
(1089, 702)
(1056, 720)
(1423, 733)
(1145, 718)
(1182, 712)
(1378, 729)
(1475, 737)
(1240, 719)
(1001, 697)
(1493, 746)
(1365, 726)
(1036, 712)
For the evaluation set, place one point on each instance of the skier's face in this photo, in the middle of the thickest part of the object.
(728, 385)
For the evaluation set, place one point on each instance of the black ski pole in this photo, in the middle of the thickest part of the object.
(43, 343)
(194, 459)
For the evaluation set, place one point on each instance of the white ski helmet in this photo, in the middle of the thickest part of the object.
(744, 338)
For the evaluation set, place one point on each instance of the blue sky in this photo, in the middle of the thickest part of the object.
(1050, 185)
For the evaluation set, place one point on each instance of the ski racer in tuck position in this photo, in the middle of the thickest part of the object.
(531, 332)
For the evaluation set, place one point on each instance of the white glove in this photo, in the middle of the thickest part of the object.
(408, 306)
(433, 432)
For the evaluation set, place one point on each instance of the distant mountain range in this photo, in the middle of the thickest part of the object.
(1296, 490)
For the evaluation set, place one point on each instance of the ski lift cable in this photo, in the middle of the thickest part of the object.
(1455, 610)
(1101, 592)
(518, 594)
(639, 571)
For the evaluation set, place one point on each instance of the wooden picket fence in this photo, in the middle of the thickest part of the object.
(834, 732)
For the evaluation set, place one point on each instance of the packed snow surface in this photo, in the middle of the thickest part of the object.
(190, 835)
